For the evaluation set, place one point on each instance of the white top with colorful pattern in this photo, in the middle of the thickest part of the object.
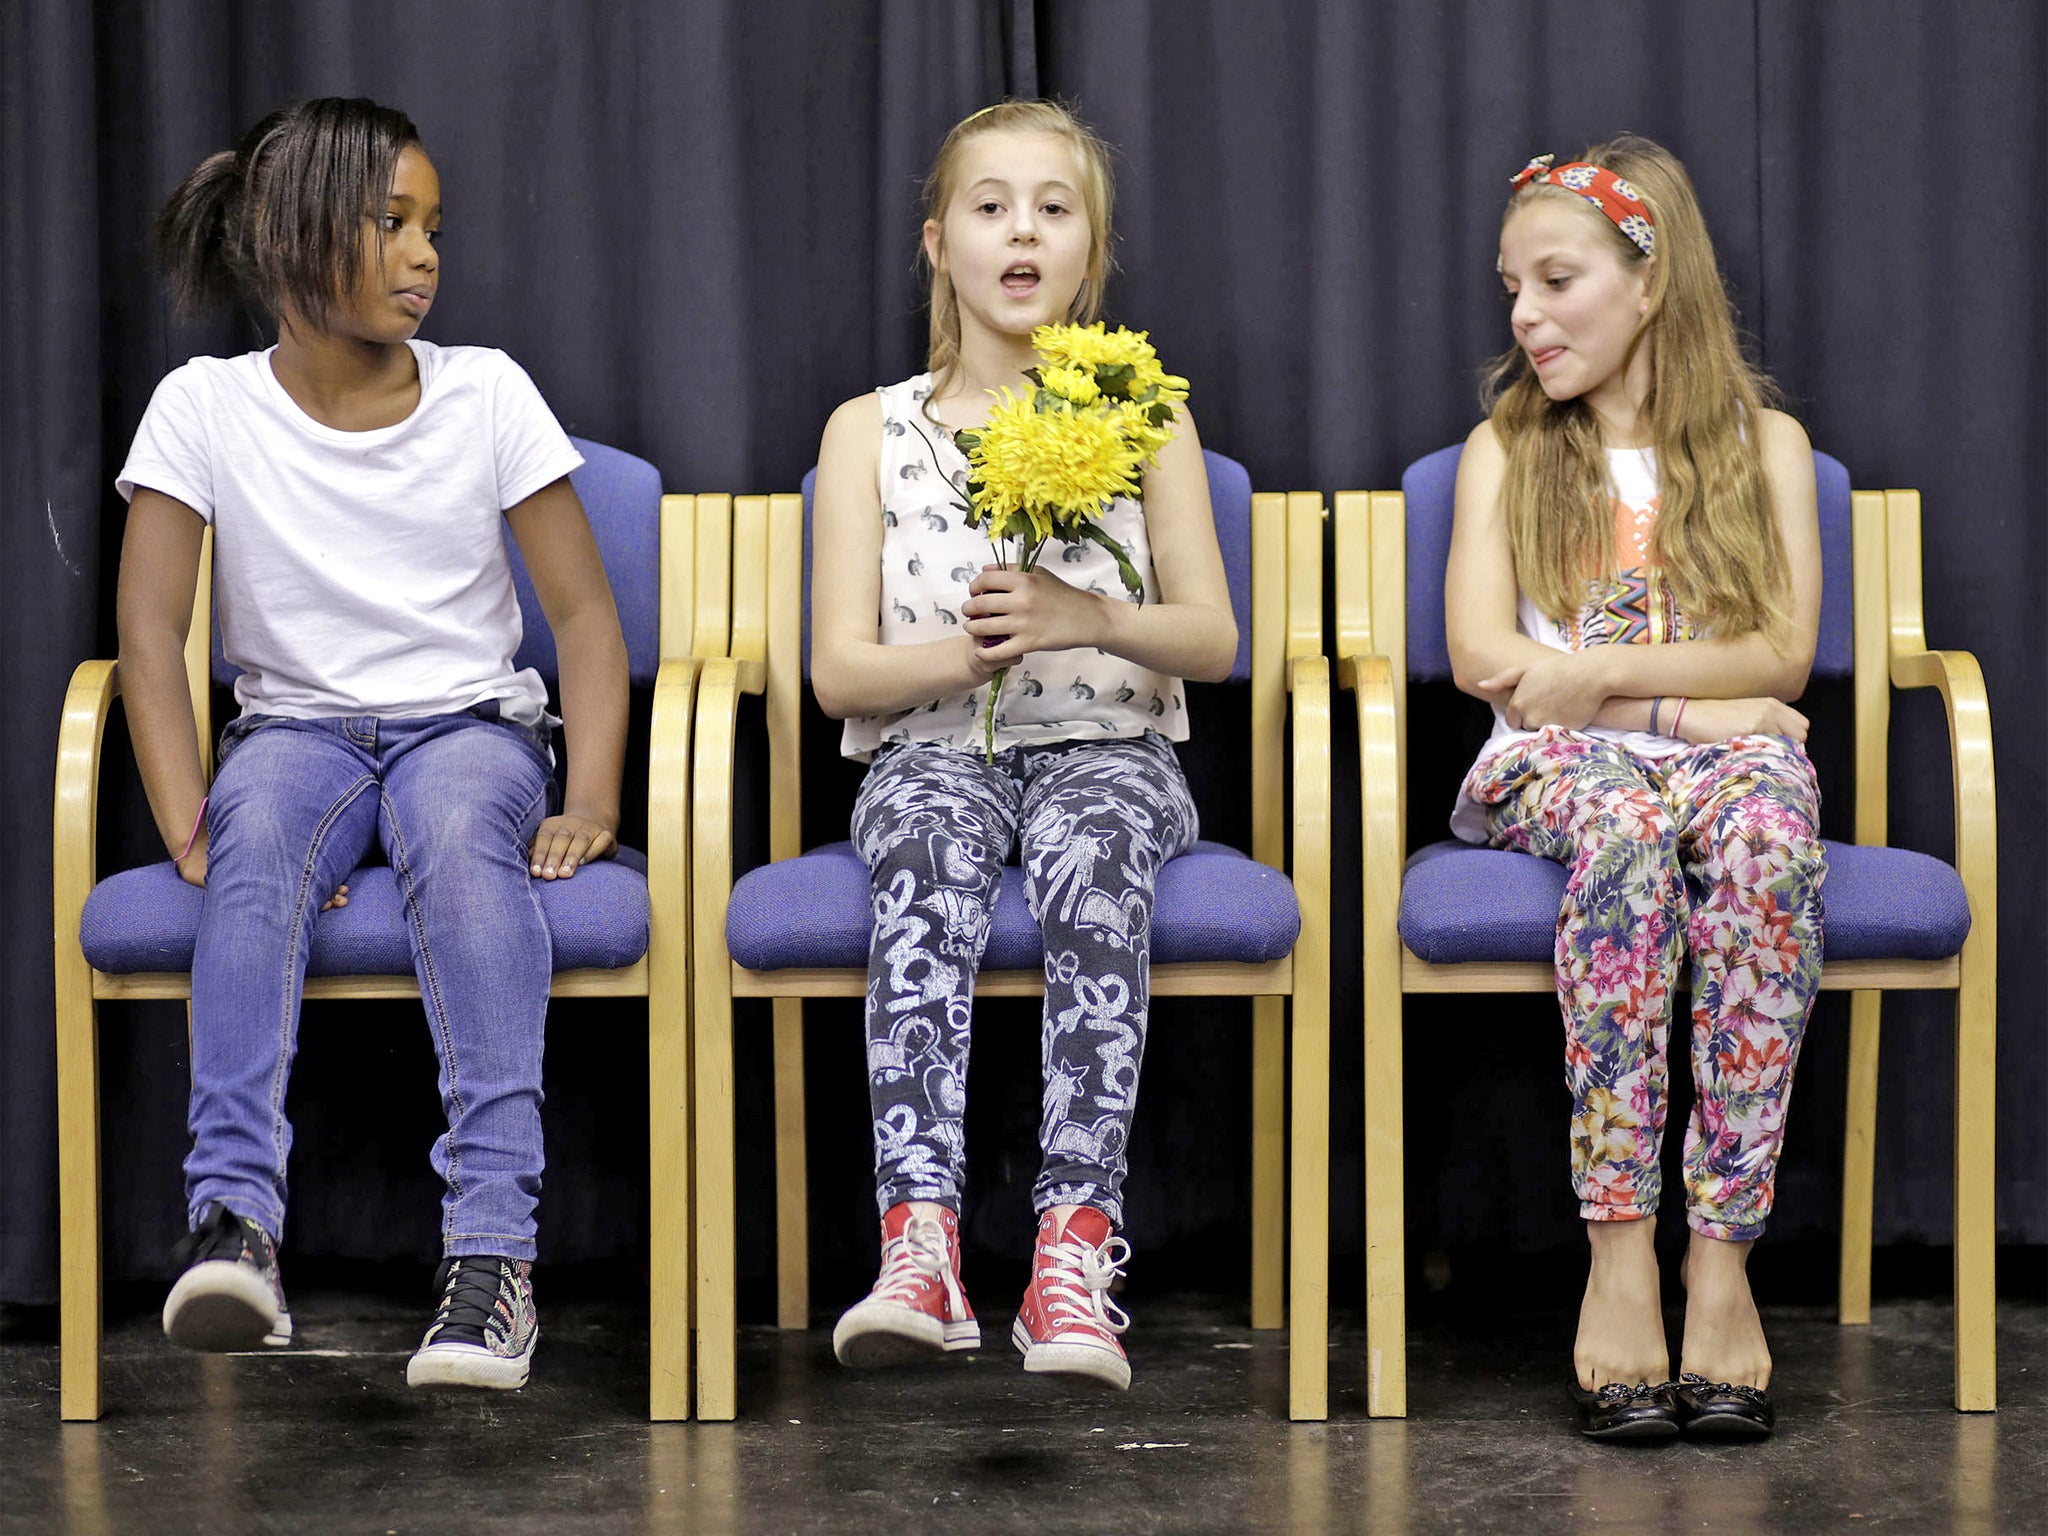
(929, 555)
(1634, 606)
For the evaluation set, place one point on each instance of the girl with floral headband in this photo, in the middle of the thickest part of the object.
(1634, 585)
(911, 626)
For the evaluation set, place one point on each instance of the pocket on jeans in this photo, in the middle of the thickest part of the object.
(539, 738)
(240, 729)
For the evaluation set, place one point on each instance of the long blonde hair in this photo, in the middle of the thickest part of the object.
(1097, 194)
(1716, 537)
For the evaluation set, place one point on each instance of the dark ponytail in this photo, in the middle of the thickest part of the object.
(192, 233)
(279, 220)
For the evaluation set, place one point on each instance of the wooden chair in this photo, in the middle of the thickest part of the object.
(1465, 919)
(620, 928)
(802, 921)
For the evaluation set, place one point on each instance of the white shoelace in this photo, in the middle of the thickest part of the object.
(1078, 1281)
(918, 1255)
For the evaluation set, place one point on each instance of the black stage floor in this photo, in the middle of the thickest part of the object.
(327, 1438)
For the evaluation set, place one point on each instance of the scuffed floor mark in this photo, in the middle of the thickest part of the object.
(1155, 1445)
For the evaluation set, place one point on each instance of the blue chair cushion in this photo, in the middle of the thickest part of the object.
(1463, 903)
(148, 920)
(1213, 903)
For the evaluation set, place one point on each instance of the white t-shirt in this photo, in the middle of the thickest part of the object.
(360, 573)
(929, 555)
(1632, 607)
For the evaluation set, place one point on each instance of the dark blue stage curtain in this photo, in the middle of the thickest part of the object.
(696, 226)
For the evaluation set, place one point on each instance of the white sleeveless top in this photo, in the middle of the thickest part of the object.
(930, 554)
(1634, 606)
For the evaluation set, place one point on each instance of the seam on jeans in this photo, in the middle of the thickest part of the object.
(430, 986)
(280, 1077)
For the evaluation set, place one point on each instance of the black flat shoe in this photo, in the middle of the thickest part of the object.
(1720, 1410)
(1618, 1412)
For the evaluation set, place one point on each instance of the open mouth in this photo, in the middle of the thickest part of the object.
(1021, 278)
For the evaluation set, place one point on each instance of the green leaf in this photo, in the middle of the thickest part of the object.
(1094, 533)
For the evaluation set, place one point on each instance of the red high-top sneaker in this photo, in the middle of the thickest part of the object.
(916, 1308)
(1068, 1326)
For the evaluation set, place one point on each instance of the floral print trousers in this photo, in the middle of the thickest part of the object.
(934, 825)
(1714, 849)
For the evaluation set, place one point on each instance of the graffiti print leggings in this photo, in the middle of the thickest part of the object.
(935, 824)
(1713, 849)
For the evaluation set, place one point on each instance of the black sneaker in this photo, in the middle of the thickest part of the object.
(229, 1296)
(484, 1331)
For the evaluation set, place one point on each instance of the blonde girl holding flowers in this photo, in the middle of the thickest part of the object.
(1634, 585)
(913, 618)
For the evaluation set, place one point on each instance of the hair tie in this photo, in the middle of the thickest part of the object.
(1614, 197)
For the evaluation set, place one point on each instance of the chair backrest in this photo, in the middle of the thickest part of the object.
(621, 495)
(1230, 499)
(1427, 489)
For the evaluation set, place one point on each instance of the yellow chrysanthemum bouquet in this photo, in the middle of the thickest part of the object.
(1048, 463)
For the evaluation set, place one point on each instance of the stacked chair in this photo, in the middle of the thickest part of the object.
(1225, 923)
(1453, 918)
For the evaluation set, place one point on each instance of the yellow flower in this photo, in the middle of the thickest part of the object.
(1082, 346)
(1049, 469)
(1074, 385)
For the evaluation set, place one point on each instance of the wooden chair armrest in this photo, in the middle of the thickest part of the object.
(1308, 689)
(1371, 679)
(668, 781)
(75, 825)
(720, 683)
(1961, 683)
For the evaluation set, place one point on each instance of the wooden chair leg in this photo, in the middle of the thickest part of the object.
(1976, 1231)
(1308, 1335)
(1386, 1274)
(792, 1226)
(1269, 1160)
(717, 1263)
(78, 1191)
(669, 1234)
(1859, 1156)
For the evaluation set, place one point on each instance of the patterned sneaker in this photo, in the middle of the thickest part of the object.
(916, 1308)
(484, 1331)
(229, 1296)
(1067, 1325)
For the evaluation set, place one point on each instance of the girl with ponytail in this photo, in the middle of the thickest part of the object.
(1634, 585)
(358, 482)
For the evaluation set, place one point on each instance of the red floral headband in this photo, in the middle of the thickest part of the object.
(1606, 191)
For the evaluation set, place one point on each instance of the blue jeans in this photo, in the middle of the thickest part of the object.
(454, 801)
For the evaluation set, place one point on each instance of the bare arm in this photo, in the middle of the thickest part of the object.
(1480, 589)
(568, 577)
(1188, 633)
(852, 672)
(153, 613)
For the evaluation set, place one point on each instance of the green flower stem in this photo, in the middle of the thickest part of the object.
(1027, 562)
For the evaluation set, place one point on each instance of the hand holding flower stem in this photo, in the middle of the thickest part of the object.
(1048, 464)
